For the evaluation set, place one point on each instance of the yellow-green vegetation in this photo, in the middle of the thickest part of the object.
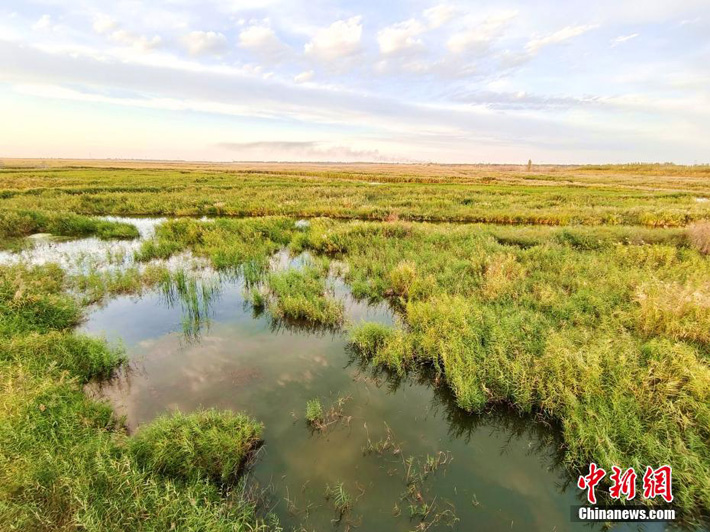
(609, 339)
(303, 295)
(16, 223)
(583, 299)
(203, 445)
(66, 463)
(674, 196)
(314, 411)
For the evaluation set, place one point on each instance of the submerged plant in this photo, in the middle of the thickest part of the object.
(342, 501)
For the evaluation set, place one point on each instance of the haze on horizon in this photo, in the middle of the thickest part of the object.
(324, 80)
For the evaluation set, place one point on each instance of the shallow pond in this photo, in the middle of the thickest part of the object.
(397, 446)
(494, 472)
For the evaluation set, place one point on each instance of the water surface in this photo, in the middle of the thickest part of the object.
(497, 472)
(490, 472)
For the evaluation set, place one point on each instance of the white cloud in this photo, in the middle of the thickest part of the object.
(304, 76)
(340, 39)
(401, 36)
(140, 42)
(205, 42)
(262, 40)
(439, 15)
(104, 24)
(107, 26)
(622, 39)
(44, 23)
(480, 36)
(535, 45)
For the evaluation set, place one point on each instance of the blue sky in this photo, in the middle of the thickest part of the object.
(475, 81)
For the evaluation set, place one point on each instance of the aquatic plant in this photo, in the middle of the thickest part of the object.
(342, 501)
(314, 412)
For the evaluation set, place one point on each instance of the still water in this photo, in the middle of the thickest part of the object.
(492, 472)
(398, 447)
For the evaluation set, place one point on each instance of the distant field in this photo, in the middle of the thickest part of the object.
(647, 195)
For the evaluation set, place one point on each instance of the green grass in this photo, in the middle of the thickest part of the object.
(240, 246)
(65, 461)
(339, 497)
(314, 411)
(17, 223)
(202, 445)
(557, 196)
(303, 295)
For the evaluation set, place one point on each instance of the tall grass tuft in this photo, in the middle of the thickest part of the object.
(699, 236)
(206, 444)
(303, 295)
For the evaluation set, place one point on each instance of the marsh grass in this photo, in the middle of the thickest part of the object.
(472, 194)
(566, 327)
(65, 461)
(17, 223)
(303, 295)
(585, 304)
(202, 445)
(569, 323)
(699, 236)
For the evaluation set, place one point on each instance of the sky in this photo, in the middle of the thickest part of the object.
(477, 81)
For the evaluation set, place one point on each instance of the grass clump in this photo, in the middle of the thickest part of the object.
(314, 412)
(303, 295)
(207, 444)
(32, 299)
(240, 246)
(81, 356)
(369, 338)
(699, 236)
(24, 222)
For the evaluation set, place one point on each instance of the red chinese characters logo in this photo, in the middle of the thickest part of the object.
(622, 483)
(590, 481)
(658, 482)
